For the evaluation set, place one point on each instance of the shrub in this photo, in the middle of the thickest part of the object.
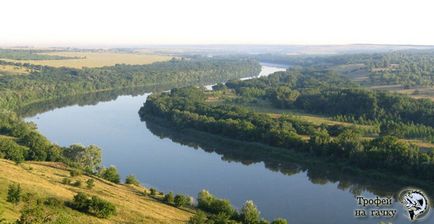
(182, 200)
(211, 204)
(34, 214)
(93, 205)
(101, 208)
(279, 221)
(132, 180)
(14, 193)
(198, 218)
(153, 192)
(53, 202)
(111, 174)
(66, 181)
(169, 198)
(90, 183)
(77, 183)
(9, 149)
(249, 213)
(75, 173)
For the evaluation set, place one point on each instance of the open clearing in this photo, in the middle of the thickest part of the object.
(416, 92)
(96, 59)
(45, 179)
(13, 70)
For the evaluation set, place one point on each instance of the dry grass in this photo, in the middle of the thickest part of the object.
(97, 59)
(13, 70)
(417, 93)
(45, 179)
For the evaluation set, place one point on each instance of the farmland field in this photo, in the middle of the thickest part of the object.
(96, 59)
(13, 70)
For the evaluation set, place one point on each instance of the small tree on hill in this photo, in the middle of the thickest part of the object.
(14, 193)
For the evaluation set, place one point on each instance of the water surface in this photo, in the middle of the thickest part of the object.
(185, 163)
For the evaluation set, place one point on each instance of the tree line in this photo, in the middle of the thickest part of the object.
(186, 108)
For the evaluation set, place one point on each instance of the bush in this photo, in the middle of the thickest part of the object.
(101, 208)
(132, 180)
(249, 213)
(66, 181)
(182, 200)
(9, 149)
(153, 192)
(211, 204)
(14, 193)
(75, 173)
(90, 183)
(169, 198)
(111, 174)
(279, 221)
(199, 218)
(93, 205)
(53, 202)
(77, 183)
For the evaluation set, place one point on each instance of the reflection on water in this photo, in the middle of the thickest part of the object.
(186, 162)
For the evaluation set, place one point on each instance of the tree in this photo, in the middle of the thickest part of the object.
(250, 214)
(182, 200)
(92, 205)
(132, 180)
(153, 191)
(9, 149)
(279, 221)
(14, 193)
(111, 174)
(88, 158)
(90, 183)
(204, 199)
(169, 198)
(198, 218)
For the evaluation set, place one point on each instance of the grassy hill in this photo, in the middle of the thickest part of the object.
(45, 180)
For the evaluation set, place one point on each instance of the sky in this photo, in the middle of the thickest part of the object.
(157, 22)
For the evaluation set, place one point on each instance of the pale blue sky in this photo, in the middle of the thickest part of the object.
(136, 22)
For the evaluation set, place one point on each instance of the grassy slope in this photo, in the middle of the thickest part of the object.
(45, 179)
(96, 59)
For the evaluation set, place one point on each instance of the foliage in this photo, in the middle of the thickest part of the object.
(132, 180)
(182, 200)
(279, 221)
(93, 205)
(90, 183)
(9, 149)
(169, 198)
(14, 193)
(346, 145)
(111, 174)
(153, 192)
(250, 214)
(87, 158)
(198, 218)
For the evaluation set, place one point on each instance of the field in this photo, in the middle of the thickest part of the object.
(96, 59)
(13, 70)
(417, 93)
(45, 179)
(265, 107)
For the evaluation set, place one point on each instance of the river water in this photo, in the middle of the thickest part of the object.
(170, 160)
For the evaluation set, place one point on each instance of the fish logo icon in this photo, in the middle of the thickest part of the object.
(416, 202)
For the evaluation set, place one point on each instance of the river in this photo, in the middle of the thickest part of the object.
(185, 163)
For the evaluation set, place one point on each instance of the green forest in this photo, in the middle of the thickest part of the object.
(315, 91)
